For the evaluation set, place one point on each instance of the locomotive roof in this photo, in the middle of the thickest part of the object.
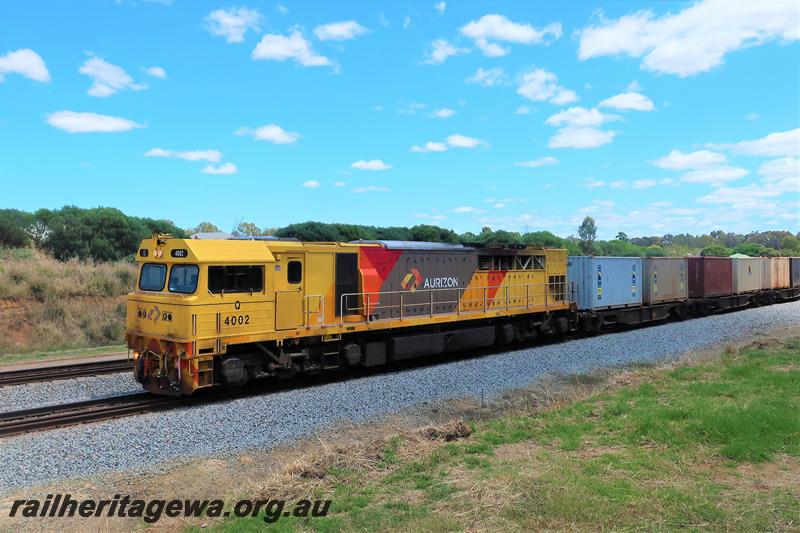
(414, 245)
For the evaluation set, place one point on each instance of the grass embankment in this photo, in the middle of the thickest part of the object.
(52, 305)
(710, 445)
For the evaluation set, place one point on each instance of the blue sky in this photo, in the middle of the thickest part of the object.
(653, 117)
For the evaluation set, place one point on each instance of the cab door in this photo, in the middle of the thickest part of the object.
(289, 277)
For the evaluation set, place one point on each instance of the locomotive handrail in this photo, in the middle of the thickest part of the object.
(552, 290)
(307, 312)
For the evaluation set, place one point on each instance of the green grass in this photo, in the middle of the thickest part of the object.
(707, 446)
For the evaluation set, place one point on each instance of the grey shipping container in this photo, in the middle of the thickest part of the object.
(747, 274)
(795, 268)
(664, 280)
(603, 282)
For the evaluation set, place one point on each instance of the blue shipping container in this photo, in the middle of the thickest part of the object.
(603, 282)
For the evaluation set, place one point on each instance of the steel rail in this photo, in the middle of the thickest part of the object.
(56, 416)
(53, 373)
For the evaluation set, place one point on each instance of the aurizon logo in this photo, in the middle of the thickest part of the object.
(411, 280)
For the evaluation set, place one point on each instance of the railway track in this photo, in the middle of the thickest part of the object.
(56, 416)
(33, 375)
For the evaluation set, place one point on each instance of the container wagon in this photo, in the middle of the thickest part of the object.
(609, 290)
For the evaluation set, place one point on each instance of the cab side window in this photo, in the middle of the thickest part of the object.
(294, 272)
(226, 279)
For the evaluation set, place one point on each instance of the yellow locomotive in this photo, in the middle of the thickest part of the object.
(222, 312)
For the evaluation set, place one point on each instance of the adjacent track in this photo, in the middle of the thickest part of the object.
(33, 375)
(55, 416)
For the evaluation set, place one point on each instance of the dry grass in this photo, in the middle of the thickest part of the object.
(62, 324)
(35, 276)
(52, 305)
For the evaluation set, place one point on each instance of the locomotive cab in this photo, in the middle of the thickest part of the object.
(189, 294)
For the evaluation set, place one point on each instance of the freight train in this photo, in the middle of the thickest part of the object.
(223, 312)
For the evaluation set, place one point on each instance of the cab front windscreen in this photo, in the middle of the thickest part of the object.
(183, 279)
(152, 277)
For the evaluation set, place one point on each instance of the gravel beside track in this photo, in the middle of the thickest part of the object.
(141, 442)
(66, 391)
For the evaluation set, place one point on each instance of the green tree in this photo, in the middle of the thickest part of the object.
(102, 233)
(204, 227)
(622, 236)
(14, 226)
(247, 228)
(587, 232)
(716, 250)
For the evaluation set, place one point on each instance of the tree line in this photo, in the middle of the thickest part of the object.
(107, 234)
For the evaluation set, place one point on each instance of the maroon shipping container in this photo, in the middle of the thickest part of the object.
(710, 276)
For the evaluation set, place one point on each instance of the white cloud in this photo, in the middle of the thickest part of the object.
(212, 156)
(752, 116)
(644, 184)
(593, 184)
(782, 143)
(487, 77)
(107, 78)
(233, 23)
(340, 184)
(779, 169)
(693, 40)
(495, 27)
(579, 128)
(227, 168)
(746, 196)
(491, 49)
(370, 188)
(157, 72)
(444, 112)
(540, 85)
(440, 50)
(407, 23)
(677, 160)
(372, 164)
(580, 116)
(24, 62)
(295, 46)
(523, 110)
(426, 216)
(629, 101)
(271, 133)
(339, 31)
(581, 137)
(282, 9)
(465, 209)
(311, 184)
(542, 161)
(714, 175)
(440, 7)
(462, 141)
(75, 122)
(453, 141)
(430, 146)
